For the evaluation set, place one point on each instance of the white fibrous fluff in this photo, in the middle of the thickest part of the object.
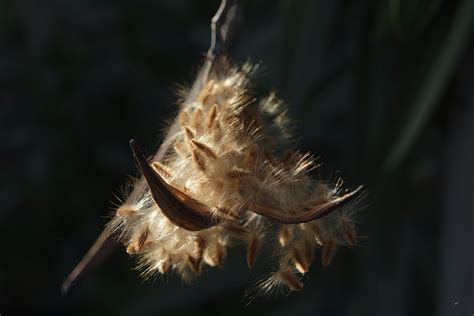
(230, 176)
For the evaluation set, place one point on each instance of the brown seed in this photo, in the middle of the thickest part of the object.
(132, 248)
(204, 148)
(211, 116)
(319, 232)
(285, 235)
(207, 95)
(303, 256)
(299, 262)
(290, 280)
(197, 118)
(251, 156)
(237, 173)
(164, 265)
(189, 133)
(198, 160)
(125, 211)
(348, 231)
(209, 99)
(143, 237)
(136, 245)
(215, 255)
(220, 256)
(161, 169)
(183, 118)
(194, 264)
(253, 247)
(329, 248)
(200, 247)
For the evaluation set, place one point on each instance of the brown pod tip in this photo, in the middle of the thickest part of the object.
(313, 213)
(178, 207)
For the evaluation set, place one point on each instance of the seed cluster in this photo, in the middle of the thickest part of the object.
(231, 177)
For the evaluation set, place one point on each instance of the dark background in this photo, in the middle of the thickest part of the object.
(380, 90)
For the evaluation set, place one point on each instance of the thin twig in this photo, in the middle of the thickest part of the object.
(220, 25)
(102, 248)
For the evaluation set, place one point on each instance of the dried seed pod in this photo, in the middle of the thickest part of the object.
(178, 207)
(219, 177)
(226, 190)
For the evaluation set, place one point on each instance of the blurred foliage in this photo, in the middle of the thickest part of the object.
(363, 80)
(436, 78)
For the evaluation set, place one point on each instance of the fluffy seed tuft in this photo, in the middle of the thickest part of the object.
(231, 176)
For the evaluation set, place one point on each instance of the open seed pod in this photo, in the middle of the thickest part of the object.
(228, 174)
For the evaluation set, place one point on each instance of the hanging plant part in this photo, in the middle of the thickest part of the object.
(226, 175)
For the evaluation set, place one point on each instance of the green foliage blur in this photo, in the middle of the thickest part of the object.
(365, 81)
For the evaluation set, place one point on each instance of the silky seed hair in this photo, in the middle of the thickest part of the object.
(230, 177)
